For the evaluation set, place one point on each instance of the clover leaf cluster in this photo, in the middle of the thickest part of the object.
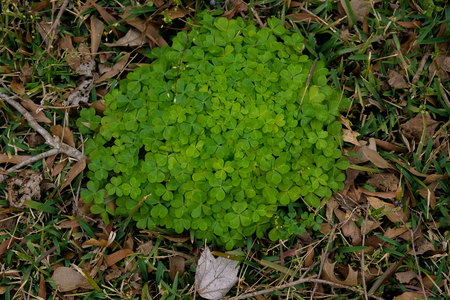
(220, 133)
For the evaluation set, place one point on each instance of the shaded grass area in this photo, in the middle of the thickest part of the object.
(386, 234)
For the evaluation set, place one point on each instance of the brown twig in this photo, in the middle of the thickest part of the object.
(33, 159)
(55, 143)
(363, 272)
(324, 257)
(52, 31)
(299, 281)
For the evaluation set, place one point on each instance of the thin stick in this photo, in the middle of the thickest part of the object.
(49, 140)
(33, 159)
(413, 237)
(52, 31)
(308, 81)
(303, 280)
(363, 272)
(324, 257)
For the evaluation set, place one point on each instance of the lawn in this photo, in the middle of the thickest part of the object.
(383, 234)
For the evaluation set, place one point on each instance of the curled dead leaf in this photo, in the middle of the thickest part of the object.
(35, 111)
(329, 274)
(177, 265)
(133, 38)
(350, 136)
(393, 213)
(63, 133)
(349, 228)
(369, 153)
(118, 67)
(96, 34)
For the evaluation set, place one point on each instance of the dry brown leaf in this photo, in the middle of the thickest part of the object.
(422, 245)
(44, 28)
(369, 153)
(385, 195)
(13, 159)
(5, 245)
(149, 29)
(68, 279)
(325, 228)
(77, 168)
(176, 12)
(371, 225)
(117, 256)
(38, 7)
(309, 259)
(396, 80)
(145, 248)
(332, 204)
(405, 277)
(42, 290)
(105, 15)
(34, 110)
(409, 296)
(304, 17)
(177, 265)
(35, 140)
(17, 87)
(329, 274)
(350, 229)
(389, 146)
(395, 232)
(99, 106)
(94, 242)
(63, 133)
(238, 6)
(73, 59)
(133, 38)
(59, 167)
(69, 224)
(440, 67)
(27, 73)
(350, 136)
(434, 177)
(410, 25)
(118, 67)
(393, 213)
(360, 9)
(384, 182)
(413, 128)
(96, 34)
(429, 196)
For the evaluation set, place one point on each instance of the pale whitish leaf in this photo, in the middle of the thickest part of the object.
(68, 279)
(215, 276)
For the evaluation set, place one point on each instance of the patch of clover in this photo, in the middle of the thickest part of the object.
(213, 130)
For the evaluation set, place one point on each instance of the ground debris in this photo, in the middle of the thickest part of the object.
(24, 187)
